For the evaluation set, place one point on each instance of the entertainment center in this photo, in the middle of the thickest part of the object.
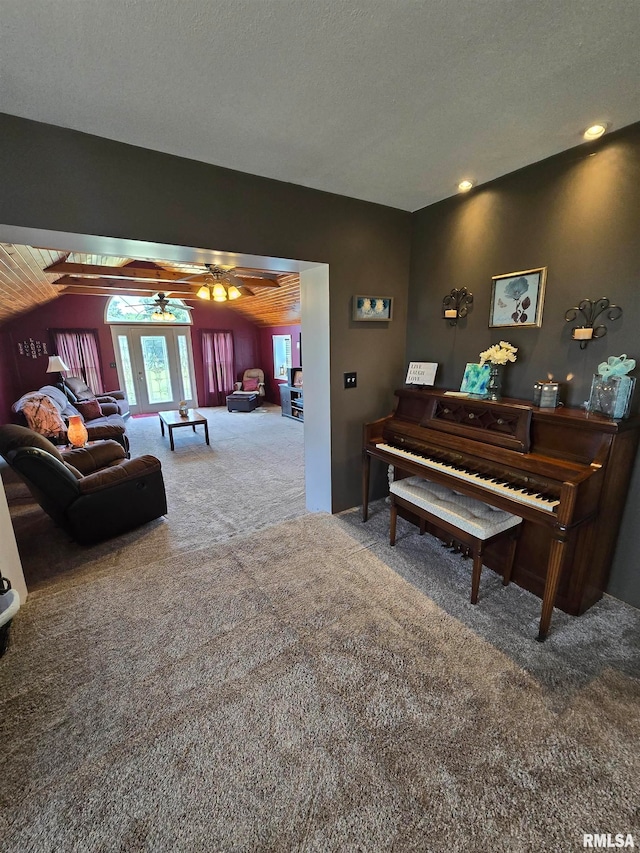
(291, 396)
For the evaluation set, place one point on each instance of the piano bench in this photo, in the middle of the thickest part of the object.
(467, 520)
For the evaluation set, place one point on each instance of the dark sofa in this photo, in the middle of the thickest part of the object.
(47, 410)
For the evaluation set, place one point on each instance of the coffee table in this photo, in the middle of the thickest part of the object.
(173, 420)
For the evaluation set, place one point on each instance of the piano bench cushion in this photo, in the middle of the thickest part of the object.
(468, 514)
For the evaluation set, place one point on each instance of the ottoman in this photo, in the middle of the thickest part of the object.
(242, 401)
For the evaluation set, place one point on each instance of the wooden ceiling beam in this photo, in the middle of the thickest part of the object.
(127, 272)
(118, 291)
(134, 273)
(114, 285)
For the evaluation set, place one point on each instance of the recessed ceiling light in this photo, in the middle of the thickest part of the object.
(595, 131)
(465, 186)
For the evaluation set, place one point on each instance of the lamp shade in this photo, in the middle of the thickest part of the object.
(56, 365)
(219, 293)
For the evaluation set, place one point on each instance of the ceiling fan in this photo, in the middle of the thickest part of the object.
(158, 309)
(161, 313)
(223, 284)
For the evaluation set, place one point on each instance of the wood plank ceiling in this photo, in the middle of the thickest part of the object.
(31, 277)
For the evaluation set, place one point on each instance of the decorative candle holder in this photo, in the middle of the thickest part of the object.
(456, 305)
(590, 312)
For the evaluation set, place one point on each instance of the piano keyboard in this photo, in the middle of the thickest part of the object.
(502, 488)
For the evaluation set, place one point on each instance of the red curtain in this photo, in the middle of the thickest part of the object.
(80, 351)
(219, 366)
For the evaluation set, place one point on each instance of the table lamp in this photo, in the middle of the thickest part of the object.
(77, 432)
(56, 365)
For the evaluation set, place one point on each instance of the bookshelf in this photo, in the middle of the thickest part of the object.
(292, 402)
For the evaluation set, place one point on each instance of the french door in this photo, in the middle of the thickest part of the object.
(155, 366)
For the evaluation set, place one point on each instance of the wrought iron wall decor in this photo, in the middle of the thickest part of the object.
(456, 305)
(590, 311)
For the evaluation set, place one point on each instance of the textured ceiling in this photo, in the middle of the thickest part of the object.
(393, 101)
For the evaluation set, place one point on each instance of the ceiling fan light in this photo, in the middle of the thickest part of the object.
(219, 293)
(163, 316)
(233, 292)
(204, 292)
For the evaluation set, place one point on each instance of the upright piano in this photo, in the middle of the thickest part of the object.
(564, 471)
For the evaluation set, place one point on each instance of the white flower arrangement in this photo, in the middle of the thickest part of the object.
(499, 353)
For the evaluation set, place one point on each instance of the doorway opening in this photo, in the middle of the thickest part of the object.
(314, 299)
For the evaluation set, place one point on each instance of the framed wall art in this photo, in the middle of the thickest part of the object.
(517, 299)
(373, 308)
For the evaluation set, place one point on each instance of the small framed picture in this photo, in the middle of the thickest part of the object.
(517, 299)
(373, 308)
(475, 379)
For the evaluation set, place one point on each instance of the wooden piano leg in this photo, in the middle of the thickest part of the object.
(477, 571)
(506, 578)
(554, 567)
(366, 467)
(392, 522)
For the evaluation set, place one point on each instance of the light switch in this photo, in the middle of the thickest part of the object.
(350, 380)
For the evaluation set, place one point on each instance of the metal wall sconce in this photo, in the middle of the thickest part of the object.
(456, 304)
(590, 312)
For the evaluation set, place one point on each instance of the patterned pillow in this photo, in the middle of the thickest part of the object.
(250, 385)
(89, 409)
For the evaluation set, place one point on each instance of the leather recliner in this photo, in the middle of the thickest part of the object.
(76, 389)
(93, 492)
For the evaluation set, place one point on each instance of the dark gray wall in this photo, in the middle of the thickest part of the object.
(68, 181)
(578, 214)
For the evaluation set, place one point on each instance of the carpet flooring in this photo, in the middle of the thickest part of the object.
(304, 687)
(250, 476)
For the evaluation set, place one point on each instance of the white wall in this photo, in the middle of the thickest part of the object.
(10, 564)
(314, 298)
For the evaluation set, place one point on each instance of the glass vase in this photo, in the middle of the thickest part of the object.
(494, 383)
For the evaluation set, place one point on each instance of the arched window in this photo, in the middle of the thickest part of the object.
(145, 309)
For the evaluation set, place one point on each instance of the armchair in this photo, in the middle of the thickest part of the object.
(77, 390)
(252, 382)
(92, 492)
